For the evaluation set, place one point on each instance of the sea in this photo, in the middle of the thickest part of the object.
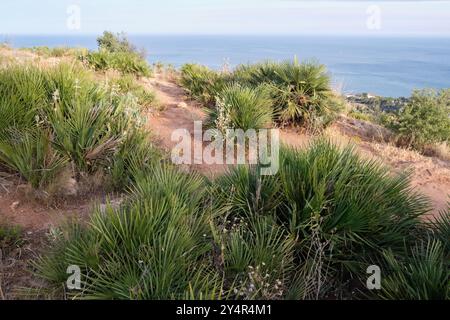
(386, 66)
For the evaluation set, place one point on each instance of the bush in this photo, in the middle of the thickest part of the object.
(155, 247)
(201, 83)
(422, 275)
(424, 120)
(58, 52)
(115, 42)
(243, 108)
(301, 92)
(125, 62)
(330, 199)
(50, 117)
(128, 84)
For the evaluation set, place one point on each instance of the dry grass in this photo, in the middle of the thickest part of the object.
(438, 150)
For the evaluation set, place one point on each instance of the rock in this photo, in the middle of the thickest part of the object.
(182, 105)
(15, 205)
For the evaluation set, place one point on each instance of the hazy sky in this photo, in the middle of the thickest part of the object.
(225, 17)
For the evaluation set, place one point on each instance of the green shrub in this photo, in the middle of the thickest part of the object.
(421, 275)
(125, 62)
(154, 247)
(52, 116)
(258, 254)
(115, 42)
(424, 120)
(242, 108)
(31, 154)
(301, 90)
(128, 84)
(331, 199)
(58, 52)
(201, 83)
(361, 208)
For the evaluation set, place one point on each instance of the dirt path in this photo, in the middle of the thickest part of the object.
(429, 176)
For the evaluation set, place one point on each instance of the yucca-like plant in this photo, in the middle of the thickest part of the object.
(202, 83)
(302, 91)
(244, 192)
(362, 208)
(421, 275)
(440, 228)
(258, 255)
(329, 197)
(50, 116)
(124, 62)
(128, 84)
(30, 153)
(243, 108)
(153, 247)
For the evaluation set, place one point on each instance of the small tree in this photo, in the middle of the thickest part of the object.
(115, 42)
(425, 119)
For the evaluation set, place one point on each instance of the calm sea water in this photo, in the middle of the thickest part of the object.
(384, 66)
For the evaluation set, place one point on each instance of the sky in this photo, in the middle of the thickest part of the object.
(305, 17)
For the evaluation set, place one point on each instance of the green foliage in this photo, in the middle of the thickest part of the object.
(58, 52)
(9, 236)
(117, 53)
(358, 115)
(258, 254)
(202, 83)
(129, 84)
(359, 206)
(422, 275)
(301, 92)
(31, 154)
(242, 108)
(50, 117)
(152, 248)
(125, 62)
(115, 42)
(342, 207)
(424, 120)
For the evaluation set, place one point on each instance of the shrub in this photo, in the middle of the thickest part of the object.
(422, 275)
(128, 84)
(125, 62)
(30, 153)
(201, 83)
(242, 108)
(360, 207)
(258, 254)
(49, 117)
(301, 90)
(424, 120)
(152, 248)
(58, 52)
(115, 42)
(331, 199)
